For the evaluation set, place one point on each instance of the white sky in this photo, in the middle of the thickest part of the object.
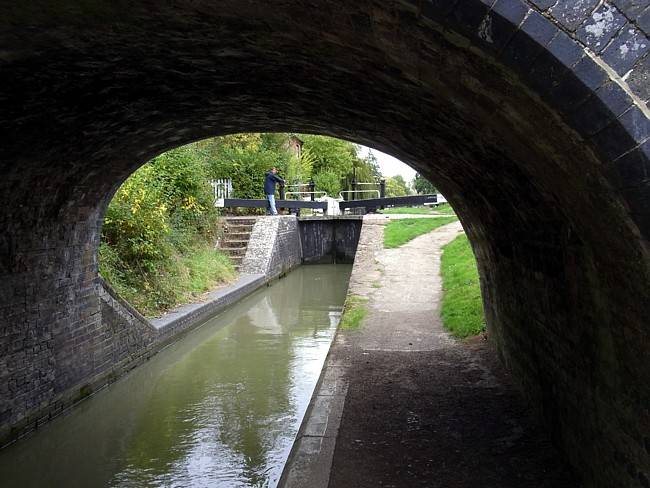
(389, 165)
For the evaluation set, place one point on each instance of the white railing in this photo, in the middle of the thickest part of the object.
(222, 188)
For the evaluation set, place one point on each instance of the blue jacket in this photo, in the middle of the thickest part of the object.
(269, 183)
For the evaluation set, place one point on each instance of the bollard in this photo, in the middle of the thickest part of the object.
(282, 195)
(312, 188)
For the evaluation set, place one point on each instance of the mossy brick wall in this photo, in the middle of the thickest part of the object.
(530, 116)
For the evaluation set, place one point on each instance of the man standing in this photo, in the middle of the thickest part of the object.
(269, 189)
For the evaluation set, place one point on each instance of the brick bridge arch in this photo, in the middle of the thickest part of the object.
(530, 116)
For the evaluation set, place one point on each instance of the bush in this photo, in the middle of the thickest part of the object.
(245, 159)
(158, 234)
(136, 224)
(329, 182)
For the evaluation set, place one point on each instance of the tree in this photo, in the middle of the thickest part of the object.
(245, 158)
(371, 160)
(396, 186)
(334, 155)
(333, 162)
(364, 174)
(423, 186)
(329, 182)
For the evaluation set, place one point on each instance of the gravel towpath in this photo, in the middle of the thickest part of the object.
(422, 409)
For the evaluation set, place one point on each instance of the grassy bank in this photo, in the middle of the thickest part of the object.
(462, 308)
(401, 231)
(444, 209)
(183, 278)
(409, 210)
(354, 311)
(156, 245)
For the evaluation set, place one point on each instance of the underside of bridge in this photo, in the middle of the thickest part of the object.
(531, 123)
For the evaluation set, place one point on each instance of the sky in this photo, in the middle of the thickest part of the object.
(389, 165)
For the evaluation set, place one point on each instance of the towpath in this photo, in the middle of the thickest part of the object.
(402, 404)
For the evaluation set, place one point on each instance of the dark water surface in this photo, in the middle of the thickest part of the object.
(220, 408)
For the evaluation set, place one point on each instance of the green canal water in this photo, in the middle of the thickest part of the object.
(220, 408)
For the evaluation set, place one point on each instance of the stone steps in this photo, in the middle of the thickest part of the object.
(237, 232)
(236, 260)
(239, 228)
(241, 220)
(235, 251)
(239, 236)
(234, 243)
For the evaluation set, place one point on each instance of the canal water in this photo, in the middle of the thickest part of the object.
(220, 408)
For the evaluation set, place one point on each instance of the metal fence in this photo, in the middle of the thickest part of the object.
(222, 189)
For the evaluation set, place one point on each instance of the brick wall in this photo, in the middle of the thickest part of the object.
(530, 116)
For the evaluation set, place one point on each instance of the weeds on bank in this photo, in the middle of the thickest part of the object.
(158, 234)
(181, 279)
(462, 308)
(401, 231)
(354, 311)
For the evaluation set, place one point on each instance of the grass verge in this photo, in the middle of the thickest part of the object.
(408, 210)
(401, 231)
(444, 209)
(354, 311)
(184, 278)
(462, 308)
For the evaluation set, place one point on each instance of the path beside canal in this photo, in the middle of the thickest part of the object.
(402, 404)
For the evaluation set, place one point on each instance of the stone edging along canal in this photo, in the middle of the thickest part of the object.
(126, 339)
(310, 460)
(273, 251)
(402, 403)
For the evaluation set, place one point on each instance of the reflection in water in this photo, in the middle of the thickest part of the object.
(219, 408)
